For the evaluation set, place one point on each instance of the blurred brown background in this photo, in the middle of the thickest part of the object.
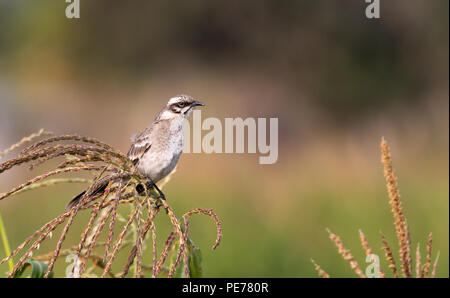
(336, 80)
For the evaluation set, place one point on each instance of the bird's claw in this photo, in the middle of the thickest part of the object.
(152, 185)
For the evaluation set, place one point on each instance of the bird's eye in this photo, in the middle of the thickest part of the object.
(181, 104)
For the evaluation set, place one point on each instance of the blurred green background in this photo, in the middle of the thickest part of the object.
(336, 80)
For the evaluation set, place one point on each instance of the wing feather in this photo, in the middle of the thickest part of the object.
(141, 143)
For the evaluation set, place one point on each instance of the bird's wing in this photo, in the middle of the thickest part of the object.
(141, 143)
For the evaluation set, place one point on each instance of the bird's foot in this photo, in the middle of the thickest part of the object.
(152, 185)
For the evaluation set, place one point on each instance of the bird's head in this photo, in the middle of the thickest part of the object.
(180, 106)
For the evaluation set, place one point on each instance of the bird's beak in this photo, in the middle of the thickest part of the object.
(198, 103)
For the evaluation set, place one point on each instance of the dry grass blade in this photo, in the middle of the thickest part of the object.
(139, 238)
(94, 213)
(368, 249)
(389, 256)
(319, 270)
(51, 182)
(418, 260)
(112, 223)
(397, 210)
(67, 138)
(211, 214)
(426, 267)
(119, 242)
(96, 260)
(168, 244)
(408, 247)
(53, 223)
(345, 253)
(44, 232)
(48, 153)
(73, 213)
(95, 236)
(185, 255)
(155, 252)
(149, 224)
(42, 177)
(37, 243)
(25, 140)
(178, 230)
(81, 160)
(433, 273)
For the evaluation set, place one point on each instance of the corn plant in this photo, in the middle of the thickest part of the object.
(109, 167)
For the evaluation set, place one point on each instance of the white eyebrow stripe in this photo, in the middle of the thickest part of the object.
(179, 98)
(174, 100)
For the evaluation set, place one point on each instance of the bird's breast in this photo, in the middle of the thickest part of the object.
(162, 157)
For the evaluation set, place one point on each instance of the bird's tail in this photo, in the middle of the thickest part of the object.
(74, 201)
(99, 190)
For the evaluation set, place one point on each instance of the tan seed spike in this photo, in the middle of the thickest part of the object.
(397, 210)
(389, 256)
(427, 265)
(408, 247)
(25, 140)
(418, 260)
(368, 249)
(433, 273)
(319, 270)
(345, 253)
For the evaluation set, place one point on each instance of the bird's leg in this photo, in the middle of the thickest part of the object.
(151, 184)
(140, 189)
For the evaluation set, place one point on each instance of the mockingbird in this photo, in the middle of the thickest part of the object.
(156, 150)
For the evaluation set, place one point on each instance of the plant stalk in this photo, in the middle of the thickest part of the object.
(6, 243)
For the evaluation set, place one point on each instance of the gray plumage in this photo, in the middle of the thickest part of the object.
(156, 150)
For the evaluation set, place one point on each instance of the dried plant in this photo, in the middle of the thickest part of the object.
(319, 270)
(368, 249)
(397, 210)
(402, 231)
(111, 168)
(345, 253)
(389, 256)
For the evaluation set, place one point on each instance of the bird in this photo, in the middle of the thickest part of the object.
(156, 150)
